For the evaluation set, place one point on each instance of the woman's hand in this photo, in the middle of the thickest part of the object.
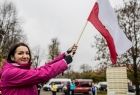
(68, 59)
(72, 50)
(69, 54)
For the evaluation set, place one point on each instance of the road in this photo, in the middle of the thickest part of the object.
(49, 93)
(58, 93)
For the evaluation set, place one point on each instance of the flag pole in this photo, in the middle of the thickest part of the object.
(81, 33)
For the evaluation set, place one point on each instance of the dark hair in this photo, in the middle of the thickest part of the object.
(13, 49)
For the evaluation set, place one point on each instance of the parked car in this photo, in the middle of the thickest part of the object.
(102, 86)
(83, 86)
(58, 81)
(131, 88)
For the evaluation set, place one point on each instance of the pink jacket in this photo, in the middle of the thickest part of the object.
(17, 80)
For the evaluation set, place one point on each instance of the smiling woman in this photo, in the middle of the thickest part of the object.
(17, 78)
(20, 53)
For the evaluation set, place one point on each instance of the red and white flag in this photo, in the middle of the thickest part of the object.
(105, 21)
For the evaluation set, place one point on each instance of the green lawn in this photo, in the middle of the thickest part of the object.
(102, 93)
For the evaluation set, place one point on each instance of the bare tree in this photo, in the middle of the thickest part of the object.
(10, 26)
(36, 56)
(102, 56)
(54, 48)
(129, 20)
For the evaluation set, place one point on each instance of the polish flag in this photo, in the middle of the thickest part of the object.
(105, 21)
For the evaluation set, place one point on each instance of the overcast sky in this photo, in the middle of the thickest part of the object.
(64, 19)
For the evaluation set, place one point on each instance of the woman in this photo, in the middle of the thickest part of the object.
(72, 88)
(53, 88)
(17, 78)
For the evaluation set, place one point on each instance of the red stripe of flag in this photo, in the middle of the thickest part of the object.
(93, 18)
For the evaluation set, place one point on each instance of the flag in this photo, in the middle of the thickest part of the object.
(105, 21)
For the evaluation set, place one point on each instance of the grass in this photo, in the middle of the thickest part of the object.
(102, 93)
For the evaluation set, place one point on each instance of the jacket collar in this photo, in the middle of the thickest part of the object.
(22, 66)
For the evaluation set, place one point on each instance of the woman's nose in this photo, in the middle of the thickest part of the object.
(25, 55)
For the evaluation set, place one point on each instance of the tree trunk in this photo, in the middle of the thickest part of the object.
(136, 83)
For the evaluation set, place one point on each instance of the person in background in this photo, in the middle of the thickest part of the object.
(17, 78)
(65, 89)
(93, 90)
(68, 88)
(53, 88)
(39, 86)
(72, 88)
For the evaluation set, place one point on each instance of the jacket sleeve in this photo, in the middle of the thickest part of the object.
(20, 77)
(60, 57)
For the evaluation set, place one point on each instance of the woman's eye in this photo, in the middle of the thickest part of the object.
(27, 53)
(20, 53)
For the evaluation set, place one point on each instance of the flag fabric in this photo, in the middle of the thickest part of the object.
(105, 21)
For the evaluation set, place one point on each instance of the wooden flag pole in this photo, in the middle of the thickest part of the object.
(76, 44)
(81, 33)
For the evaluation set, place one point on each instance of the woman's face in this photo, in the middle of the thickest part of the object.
(21, 55)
